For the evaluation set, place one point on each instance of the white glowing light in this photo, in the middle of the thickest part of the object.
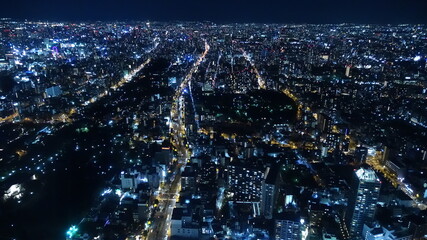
(107, 191)
(119, 192)
(367, 175)
(15, 191)
(304, 233)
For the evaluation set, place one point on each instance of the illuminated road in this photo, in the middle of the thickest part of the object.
(261, 81)
(169, 193)
(66, 117)
(167, 201)
(178, 130)
(123, 80)
(288, 93)
(127, 78)
(374, 162)
(9, 118)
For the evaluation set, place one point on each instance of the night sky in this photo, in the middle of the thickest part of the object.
(222, 11)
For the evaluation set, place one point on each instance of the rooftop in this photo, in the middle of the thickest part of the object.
(367, 175)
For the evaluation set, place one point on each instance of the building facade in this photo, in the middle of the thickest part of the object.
(364, 200)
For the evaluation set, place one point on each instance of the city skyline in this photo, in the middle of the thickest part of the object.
(270, 11)
(149, 130)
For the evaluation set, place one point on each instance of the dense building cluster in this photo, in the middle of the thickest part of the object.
(207, 131)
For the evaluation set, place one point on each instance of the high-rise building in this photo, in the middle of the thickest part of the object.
(324, 122)
(362, 203)
(245, 182)
(347, 70)
(288, 227)
(188, 179)
(207, 173)
(129, 180)
(53, 91)
(386, 233)
(183, 225)
(269, 192)
(386, 154)
(360, 154)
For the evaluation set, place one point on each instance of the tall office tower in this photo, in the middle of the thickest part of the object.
(386, 155)
(324, 122)
(362, 204)
(245, 182)
(360, 154)
(269, 192)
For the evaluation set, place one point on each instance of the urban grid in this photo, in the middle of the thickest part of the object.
(200, 130)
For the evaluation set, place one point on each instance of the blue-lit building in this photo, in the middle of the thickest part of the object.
(362, 203)
(53, 91)
(269, 192)
(288, 227)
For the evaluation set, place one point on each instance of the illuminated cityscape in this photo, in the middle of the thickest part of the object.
(132, 130)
